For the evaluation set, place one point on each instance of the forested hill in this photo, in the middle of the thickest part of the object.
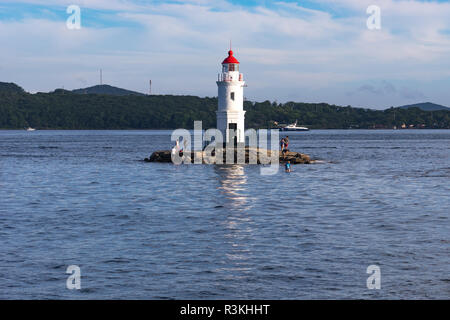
(10, 87)
(63, 109)
(426, 106)
(107, 89)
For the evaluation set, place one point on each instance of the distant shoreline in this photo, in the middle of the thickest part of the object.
(66, 110)
(284, 132)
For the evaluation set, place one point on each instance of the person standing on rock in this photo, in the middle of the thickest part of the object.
(282, 144)
(286, 142)
(176, 148)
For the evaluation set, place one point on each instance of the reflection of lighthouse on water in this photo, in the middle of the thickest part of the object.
(232, 185)
(236, 223)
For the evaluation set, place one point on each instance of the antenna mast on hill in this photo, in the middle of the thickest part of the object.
(150, 90)
(101, 76)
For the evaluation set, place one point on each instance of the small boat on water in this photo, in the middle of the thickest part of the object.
(293, 127)
(31, 129)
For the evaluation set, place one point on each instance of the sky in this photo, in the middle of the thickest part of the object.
(303, 51)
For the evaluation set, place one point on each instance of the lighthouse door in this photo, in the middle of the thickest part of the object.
(232, 132)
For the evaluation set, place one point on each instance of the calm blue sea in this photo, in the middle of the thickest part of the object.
(157, 231)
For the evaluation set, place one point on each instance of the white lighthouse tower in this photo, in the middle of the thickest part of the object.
(230, 112)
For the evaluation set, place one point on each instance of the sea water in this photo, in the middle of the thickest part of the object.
(142, 230)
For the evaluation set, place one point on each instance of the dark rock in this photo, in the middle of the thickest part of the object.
(293, 157)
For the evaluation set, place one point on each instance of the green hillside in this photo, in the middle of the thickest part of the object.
(64, 109)
(426, 106)
(107, 89)
(10, 87)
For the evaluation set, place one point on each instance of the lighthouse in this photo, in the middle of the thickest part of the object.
(230, 111)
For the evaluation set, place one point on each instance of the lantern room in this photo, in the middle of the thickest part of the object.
(230, 64)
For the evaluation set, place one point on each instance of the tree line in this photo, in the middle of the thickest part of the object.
(67, 110)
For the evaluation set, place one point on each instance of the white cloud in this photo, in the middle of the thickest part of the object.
(92, 4)
(282, 50)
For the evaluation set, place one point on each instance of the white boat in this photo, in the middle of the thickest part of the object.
(31, 129)
(293, 127)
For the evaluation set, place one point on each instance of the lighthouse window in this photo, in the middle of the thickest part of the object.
(232, 96)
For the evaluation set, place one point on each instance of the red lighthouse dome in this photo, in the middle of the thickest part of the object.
(230, 58)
